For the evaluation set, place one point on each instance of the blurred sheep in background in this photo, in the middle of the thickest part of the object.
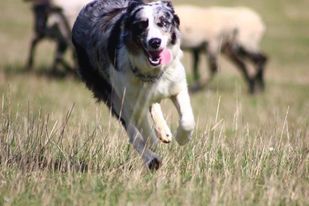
(235, 32)
(53, 19)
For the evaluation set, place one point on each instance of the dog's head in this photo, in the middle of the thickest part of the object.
(152, 35)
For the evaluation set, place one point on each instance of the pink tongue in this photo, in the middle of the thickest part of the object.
(166, 56)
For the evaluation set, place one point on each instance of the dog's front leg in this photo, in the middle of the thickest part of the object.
(162, 130)
(186, 121)
(136, 139)
(124, 113)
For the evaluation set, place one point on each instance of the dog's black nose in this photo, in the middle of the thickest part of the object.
(155, 43)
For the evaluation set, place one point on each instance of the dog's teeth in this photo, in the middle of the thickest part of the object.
(154, 61)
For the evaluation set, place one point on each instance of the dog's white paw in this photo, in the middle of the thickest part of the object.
(165, 135)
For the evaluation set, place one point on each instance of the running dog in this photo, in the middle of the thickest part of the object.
(129, 56)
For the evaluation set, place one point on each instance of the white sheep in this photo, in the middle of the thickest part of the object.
(70, 8)
(235, 32)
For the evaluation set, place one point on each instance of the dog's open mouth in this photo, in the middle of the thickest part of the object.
(158, 57)
(154, 57)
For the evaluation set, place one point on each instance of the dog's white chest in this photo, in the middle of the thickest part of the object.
(135, 90)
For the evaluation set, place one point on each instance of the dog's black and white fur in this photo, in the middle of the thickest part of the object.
(118, 45)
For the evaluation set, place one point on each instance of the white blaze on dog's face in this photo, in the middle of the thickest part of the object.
(153, 36)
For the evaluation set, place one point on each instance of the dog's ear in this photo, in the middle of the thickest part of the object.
(133, 4)
(168, 4)
(176, 20)
(131, 7)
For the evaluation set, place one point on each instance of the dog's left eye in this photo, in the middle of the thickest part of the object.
(163, 23)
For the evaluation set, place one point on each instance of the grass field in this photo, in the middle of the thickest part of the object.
(59, 147)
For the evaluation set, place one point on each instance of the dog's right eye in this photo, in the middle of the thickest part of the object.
(141, 25)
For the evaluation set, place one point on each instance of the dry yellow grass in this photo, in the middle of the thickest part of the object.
(58, 147)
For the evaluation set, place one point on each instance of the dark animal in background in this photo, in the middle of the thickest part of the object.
(235, 32)
(50, 23)
(129, 55)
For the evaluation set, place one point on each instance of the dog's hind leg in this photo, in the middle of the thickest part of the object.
(186, 122)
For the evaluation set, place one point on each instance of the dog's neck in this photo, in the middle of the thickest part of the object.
(145, 77)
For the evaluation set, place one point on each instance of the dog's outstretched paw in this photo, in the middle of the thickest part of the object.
(165, 135)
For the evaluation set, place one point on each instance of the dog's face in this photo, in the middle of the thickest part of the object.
(152, 35)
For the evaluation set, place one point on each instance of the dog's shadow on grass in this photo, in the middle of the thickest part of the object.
(37, 162)
(39, 71)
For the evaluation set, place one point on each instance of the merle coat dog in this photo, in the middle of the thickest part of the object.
(129, 56)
